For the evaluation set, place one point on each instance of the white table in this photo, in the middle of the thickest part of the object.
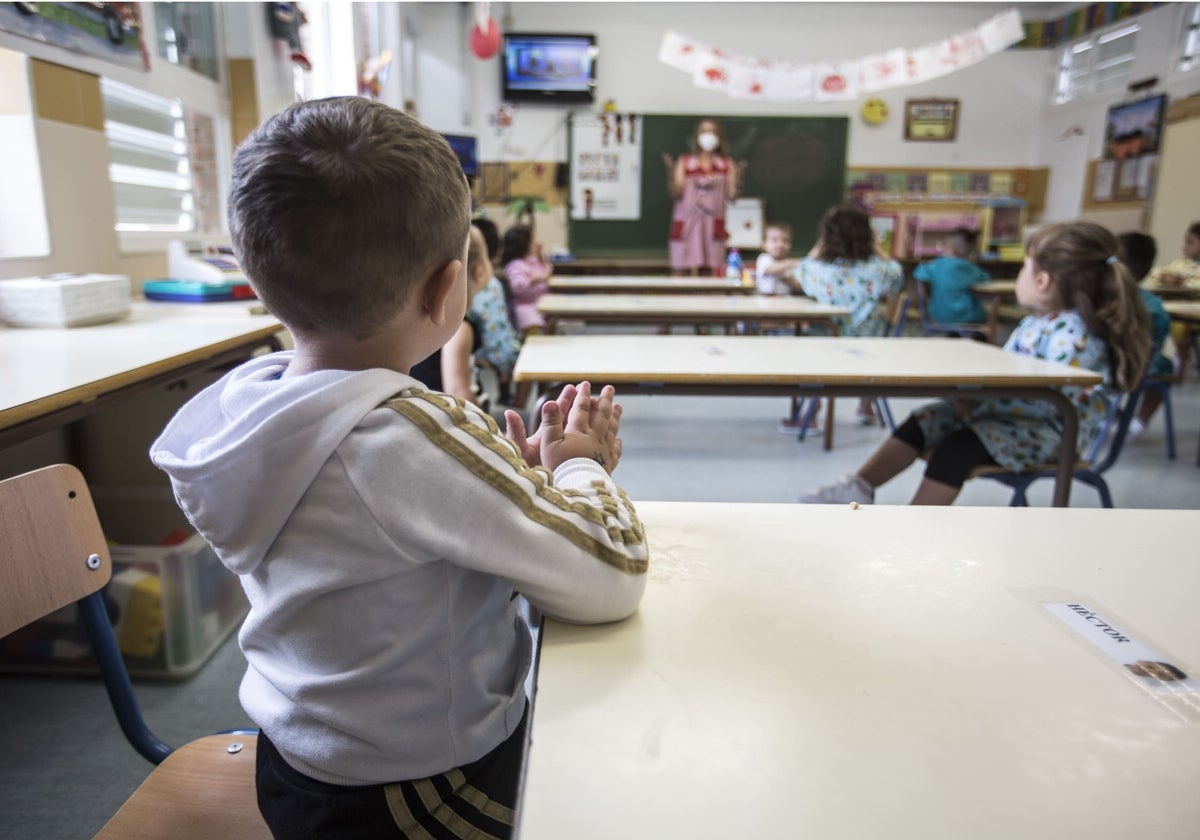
(816, 367)
(887, 672)
(647, 284)
(1186, 312)
(667, 309)
(54, 376)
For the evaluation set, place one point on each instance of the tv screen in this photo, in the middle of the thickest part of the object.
(465, 147)
(549, 68)
(1132, 129)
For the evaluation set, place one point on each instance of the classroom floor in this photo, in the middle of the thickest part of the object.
(66, 767)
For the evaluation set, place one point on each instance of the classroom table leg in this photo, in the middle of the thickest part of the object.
(828, 441)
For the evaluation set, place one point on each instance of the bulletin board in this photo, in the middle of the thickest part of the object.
(795, 165)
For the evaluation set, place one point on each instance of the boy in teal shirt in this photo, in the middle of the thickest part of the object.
(950, 279)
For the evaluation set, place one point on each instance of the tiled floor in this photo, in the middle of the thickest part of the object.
(66, 768)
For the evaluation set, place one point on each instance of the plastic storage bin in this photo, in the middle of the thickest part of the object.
(171, 605)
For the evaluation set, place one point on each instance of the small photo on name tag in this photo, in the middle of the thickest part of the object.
(1151, 669)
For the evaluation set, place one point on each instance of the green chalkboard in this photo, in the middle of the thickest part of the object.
(796, 165)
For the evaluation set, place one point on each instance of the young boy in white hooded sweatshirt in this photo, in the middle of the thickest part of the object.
(380, 530)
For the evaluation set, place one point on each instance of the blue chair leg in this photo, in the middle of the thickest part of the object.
(885, 411)
(1019, 487)
(1100, 485)
(1169, 419)
(809, 414)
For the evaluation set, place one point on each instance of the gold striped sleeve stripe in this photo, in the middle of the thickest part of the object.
(490, 438)
(543, 490)
(446, 815)
(479, 800)
(403, 817)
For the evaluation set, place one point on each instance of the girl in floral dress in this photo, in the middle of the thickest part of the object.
(848, 268)
(1086, 313)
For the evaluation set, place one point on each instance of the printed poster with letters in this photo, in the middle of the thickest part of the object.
(606, 166)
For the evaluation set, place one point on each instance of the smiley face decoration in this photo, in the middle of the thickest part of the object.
(874, 111)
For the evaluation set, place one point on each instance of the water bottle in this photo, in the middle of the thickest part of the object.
(733, 268)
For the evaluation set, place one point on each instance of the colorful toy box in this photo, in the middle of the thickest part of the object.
(171, 606)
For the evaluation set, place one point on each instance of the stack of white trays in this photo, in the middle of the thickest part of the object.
(64, 300)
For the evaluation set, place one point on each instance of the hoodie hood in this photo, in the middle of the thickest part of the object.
(243, 452)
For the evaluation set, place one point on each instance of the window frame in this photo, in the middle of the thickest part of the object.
(1072, 83)
(1189, 40)
(193, 180)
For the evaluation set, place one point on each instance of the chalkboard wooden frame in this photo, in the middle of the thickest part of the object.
(796, 165)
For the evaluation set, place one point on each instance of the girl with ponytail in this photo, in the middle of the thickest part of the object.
(1085, 311)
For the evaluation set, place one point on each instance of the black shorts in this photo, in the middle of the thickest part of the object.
(476, 800)
(952, 458)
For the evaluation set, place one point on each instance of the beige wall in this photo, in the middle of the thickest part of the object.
(69, 124)
(14, 99)
(1175, 196)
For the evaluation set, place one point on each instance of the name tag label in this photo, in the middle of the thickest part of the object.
(1150, 669)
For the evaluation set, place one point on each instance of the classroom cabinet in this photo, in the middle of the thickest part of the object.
(999, 227)
(928, 233)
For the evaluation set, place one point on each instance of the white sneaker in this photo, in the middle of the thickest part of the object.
(849, 489)
(1136, 427)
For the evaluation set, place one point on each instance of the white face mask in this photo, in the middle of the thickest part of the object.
(708, 141)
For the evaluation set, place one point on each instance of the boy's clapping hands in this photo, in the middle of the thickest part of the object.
(575, 425)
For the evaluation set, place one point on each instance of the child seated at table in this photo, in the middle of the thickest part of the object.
(1138, 251)
(451, 368)
(1184, 271)
(1085, 313)
(501, 342)
(528, 275)
(849, 268)
(950, 278)
(773, 262)
(381, 530)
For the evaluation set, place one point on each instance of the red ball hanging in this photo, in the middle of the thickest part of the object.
(485, 43)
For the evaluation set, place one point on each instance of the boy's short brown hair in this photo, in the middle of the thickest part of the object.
(782, 227)
(339, 208)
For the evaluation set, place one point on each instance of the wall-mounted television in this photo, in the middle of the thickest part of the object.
(540, 67)
(467, 151)
(1132, 129)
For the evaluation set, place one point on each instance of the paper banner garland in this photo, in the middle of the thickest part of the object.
(781, 81)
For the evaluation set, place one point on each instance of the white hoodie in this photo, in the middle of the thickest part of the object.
(379, 546)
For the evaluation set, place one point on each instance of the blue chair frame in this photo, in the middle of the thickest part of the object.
(1163, 386)
(1100, 457)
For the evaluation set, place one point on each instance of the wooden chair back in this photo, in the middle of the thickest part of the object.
(53, 554)
(52, 548)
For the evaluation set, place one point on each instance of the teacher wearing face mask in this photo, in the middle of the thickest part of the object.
(701, 182)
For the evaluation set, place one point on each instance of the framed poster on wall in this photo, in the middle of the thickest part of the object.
(930, 119)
